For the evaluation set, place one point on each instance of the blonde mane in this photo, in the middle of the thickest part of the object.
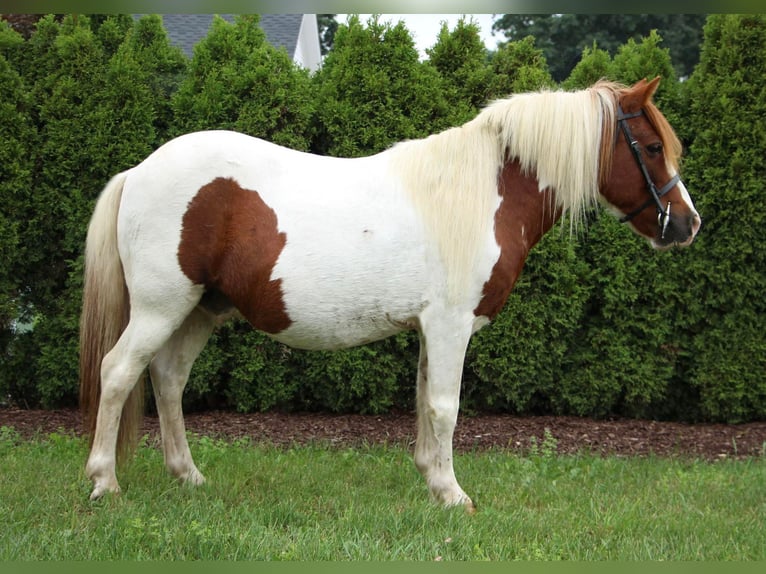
(564, 139)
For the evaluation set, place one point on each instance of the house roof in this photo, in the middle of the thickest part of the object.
(185, 30)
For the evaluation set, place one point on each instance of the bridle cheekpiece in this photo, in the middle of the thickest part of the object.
(663, 214)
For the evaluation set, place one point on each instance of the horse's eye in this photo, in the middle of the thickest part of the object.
(654, 149)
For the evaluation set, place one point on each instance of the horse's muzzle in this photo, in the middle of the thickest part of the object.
(679, 232)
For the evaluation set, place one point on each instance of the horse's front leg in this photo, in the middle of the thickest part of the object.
(442, 351)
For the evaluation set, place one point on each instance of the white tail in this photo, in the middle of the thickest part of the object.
(105, 313)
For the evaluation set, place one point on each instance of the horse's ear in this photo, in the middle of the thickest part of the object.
(651, 88)
(639, 94)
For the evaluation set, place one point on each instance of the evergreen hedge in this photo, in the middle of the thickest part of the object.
(597, 325)
(724, 277)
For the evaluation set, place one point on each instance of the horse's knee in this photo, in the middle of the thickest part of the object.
(422, 462)
(441, 417)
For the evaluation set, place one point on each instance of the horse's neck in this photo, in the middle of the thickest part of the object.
(524, 216)
(525, 213)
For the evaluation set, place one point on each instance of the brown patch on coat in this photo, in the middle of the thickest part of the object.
(230, 243)
(524, 216)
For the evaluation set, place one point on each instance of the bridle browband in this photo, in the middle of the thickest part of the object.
(663, 214)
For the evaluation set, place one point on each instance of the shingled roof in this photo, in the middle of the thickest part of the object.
(185, 30)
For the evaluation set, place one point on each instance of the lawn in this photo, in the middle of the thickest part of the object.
(324, 503)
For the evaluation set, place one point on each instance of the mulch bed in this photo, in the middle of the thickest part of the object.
(620, 437)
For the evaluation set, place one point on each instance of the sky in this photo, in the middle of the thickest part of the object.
(425, 27)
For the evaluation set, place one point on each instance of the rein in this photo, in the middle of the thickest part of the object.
(663, 214)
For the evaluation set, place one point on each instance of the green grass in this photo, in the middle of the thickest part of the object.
(323, 503)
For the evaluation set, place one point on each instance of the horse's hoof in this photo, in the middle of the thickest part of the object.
(99, 491)
(193, 478)
(461, 499)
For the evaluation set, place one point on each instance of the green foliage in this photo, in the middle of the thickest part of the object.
(621, 358)
(617, 362)
(461, 60)
(53, 216)
(370, 379)
(11, 45)
(581, 332)
(473, 78)
(238, 81)
(595, 64)
(94, 117)
(564, 37)
(328, 25)
(111, 30)
(157, 67)
(519, 67)
(373, 91)
(243, 369)
(725, 276)
(635, 60)
(515, 363)
(19, 136)
(644, 58)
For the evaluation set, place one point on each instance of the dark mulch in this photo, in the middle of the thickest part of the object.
(619, 437)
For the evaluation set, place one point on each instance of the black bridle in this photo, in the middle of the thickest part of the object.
(663, 214)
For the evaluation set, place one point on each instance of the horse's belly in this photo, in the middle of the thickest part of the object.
(334, 302)
(341, 332)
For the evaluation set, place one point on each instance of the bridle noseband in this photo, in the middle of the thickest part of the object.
(663, 214)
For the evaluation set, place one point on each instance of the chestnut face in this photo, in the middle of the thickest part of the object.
(641, 159)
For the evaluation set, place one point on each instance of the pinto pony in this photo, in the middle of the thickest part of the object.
(327, 253)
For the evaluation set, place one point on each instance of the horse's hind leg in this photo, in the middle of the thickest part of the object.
(121, 368)
(169, 371)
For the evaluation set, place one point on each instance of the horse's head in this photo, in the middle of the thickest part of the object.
(641, 185)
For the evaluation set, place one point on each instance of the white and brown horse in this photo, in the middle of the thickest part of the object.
(327, 253)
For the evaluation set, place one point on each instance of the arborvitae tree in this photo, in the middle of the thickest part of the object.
(68, 73)
(724, 276)
(647, 58)
(16, 165)
(126, 112)
(26, 271)
(65, 72)
(564, 36)
(238, 81)
(619, 361)
(595, 64)
(111, 30)
(461, 59)
(634, 61)
(519, 67)
(159, 66)
(373, 91)
(515, 363)
(94, 118)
